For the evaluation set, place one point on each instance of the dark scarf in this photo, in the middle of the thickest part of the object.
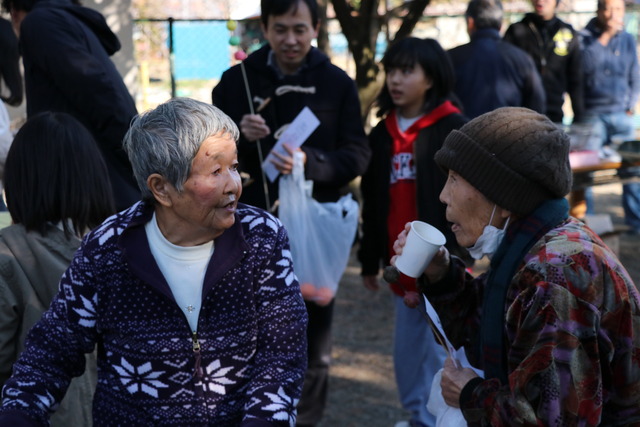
(518, 240)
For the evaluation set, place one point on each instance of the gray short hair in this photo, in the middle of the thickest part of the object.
(165, 140)
(485, 13)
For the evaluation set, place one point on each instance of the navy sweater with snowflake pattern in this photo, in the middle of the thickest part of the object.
(245, 365)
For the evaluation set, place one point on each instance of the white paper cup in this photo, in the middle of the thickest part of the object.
(423, 243)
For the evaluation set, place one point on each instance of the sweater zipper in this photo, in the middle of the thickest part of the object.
(198, 373)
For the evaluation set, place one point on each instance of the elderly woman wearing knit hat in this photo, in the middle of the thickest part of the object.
(555, 321)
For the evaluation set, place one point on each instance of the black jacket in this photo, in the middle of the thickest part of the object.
(67, 68)
(555, 48)
(491, 73)
(430, 180)
(337, 151)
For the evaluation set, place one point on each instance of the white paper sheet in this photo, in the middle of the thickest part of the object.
(459, 356)
(431, 312)
(294, 136)
(446, 416)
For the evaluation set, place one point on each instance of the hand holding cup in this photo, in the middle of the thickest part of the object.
(419, 250)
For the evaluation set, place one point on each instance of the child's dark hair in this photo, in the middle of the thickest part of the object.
(55, 173)
(280, 7)
(435, 62)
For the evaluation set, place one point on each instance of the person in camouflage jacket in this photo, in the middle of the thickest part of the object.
(555, 321)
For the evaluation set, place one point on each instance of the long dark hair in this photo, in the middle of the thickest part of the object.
(435, 62)
(55, 173)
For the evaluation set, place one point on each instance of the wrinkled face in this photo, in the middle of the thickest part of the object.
(210, 196)
(468, 210)
(407, 87)
(546, 9)
(611, 17)
(290, 36)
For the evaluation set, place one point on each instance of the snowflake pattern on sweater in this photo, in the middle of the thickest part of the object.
(243, 366)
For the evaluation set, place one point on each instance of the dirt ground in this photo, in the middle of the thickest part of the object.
(362, 388)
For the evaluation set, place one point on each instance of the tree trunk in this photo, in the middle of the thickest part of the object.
(361, 29)
(323, 34)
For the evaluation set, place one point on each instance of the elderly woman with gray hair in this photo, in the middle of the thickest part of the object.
(555, 322)
(189, 296)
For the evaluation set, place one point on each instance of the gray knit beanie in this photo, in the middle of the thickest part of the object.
(515, 157)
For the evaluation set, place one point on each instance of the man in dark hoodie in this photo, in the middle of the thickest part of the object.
(65, 49)
(284, 76)
(555, 48)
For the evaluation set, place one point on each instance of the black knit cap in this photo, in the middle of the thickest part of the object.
(515, 157)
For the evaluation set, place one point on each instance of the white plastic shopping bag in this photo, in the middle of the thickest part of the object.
(446, 416)
(320, 234)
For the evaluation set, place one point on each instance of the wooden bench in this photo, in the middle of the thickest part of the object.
(599, 174)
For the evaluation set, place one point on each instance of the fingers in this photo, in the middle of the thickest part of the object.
(291, 151)
(442, 256)
(398, 245)
(288, 149)
(282, 162)
(393, 259)
(401, 240)
(453, 381)
(253, 127)
(449, 363)
(450, 396)
(450, 390)
(439, 266)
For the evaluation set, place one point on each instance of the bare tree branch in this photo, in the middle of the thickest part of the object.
(361, 29)
(323, 35)
(416, 9)
(343, 14)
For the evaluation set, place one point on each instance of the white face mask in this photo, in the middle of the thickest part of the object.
(488, 242)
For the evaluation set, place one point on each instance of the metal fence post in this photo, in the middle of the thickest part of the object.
(171, 60)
